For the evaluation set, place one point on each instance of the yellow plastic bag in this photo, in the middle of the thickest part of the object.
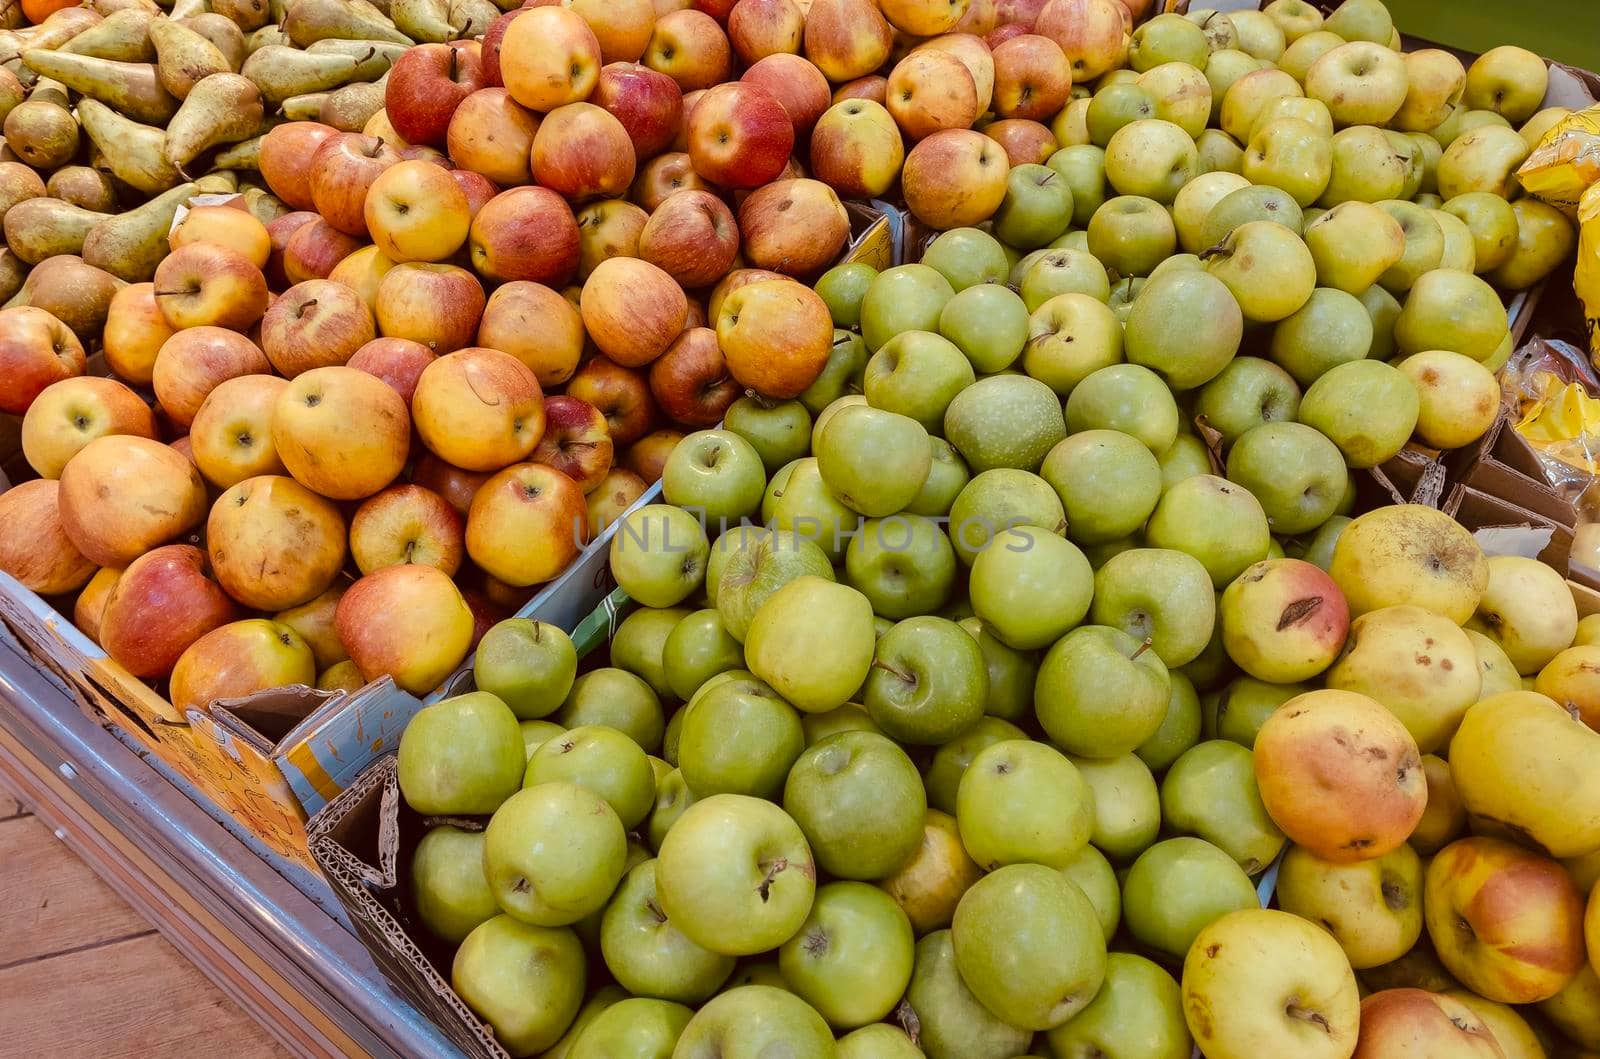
(1562, 423)
(1586, 276)
(1566, 161)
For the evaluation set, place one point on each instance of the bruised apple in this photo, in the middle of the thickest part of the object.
(239, 659)
(273, 543)
(122, 495)
(479, 409)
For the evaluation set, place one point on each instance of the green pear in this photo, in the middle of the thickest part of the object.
(554, 853)
(526, 981)
(952, 1023)
(134, 152)
(309, 21)
(43, 227)
(122, 36)
(246, 154)
(373, 58)
(131, 245)
(452, 895)
(223, 33)
(183, 56)
(221, 108)
(348, 108)
(1211, 792)
(280, 72)
(131, 89)
(813, 641)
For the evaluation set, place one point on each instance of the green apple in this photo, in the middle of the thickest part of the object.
(1313, 112)
(1150, 157)
(1036, 209)
(637, 644)
(1248, 392)
(447, 880)
(1177, 263)
(1194, 203)
(813, 641)
(1029, 586)
(1077, 239)
(601, 760)
(1100, 693)
(1004, 421)
(859, 801)
(1211, 792)
(831, 409)
(1319, 549)
(852, 958)
(1028, 944)
(903, 564)
(997, 500)
(1125, 397)
(1296, 473)
(735, 875)
(1185, 326)
(967, 257)
(1484, 159)
(878, 1041)
(916, 374)
(527, 982)
(1069, 337)
(1222, 69)
(844, 373)
(1180, 727)
(1367, 408)
(1363, 82)
(1138, 1010)
(1247, 204)
(903, 298)
(1177, 888)
(534, 733)
(1292, 155)
(988, 323)
(1454, 311)
(842, 287)
(951, 761)
(1306, 49)
(947, 476)
(1544, 240)
(779, 430)
(752, 574)
(1249, 95)
(954, 1024)
(659, 555)
(1115, 106)
(1090, 872)
(1424, 245)
(697, 649)
(1383, 310)
(672, 798)
(1160, 595)
(1167, 39)
(928, 682)
(1508, 80)
(715, 473)
(1083, 168)
(1431, 153)
(527, 664)
(851, 717)
(1181, 91)
(1216, 151)
(1330, 329)
(616, 698)
(1011, 672)
(1023, 802)
(1063, 271)
(1361, 20)
(1266, 267)
(1214, 520)
(1365, 167)
(1186, 457)
(647, 954)
(1127, 807)
(1258, 34)
(1244, 706)
(1353, 244)
(740, 738)
(753, 1021)
(1131, 234)
(462, 756)
(1108, 482)
(874, 460)
(756, 972)
(1493, 224)
(553, 853)
(635, 1028)
(1460, 248)
(798, 503)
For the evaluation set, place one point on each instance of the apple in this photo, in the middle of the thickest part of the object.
(406, 524)
(1415, 1016)
(1373, 908)
(1283, 620)
(753, 1018)
(798, 86)
(1091, 33)
(847, 39)
(1303, 499)
(417, 212)
(739, 135)
(397, 361)
(955, 178)
(233, 228)
(135, 330)
(576, 442)
(285, 152)
(525, 233)
(162, 603)
(447, 875)
(690, 381)
(1179, 886)
(1032, 78)
(795, 227)
(314, 623)
(1024, 142)
(479, 409)
(548, 58)
(1363, 83)
(852, 957)
(952, 1020)
(342, 171)
(715, 474)
(856, 148)
(692, 236)
(206, 284)
(775, 336)
(43, 558)
(438, 306)
(1410, 554)
(1210, 791)
(520, 861)
(315, 324)
(122, 495)
(1528, 610)
(526, 663)
(273, 544)
(195, 361)
(90, 605)
(1507, 80)
(622, 395)
(1138, 1005)
(659, 554)
(690, 47)
(632, 310)
(362, 272)
(314, 249)
(643, 949)
(663, 175)
(526, 524)
(407, 622)
(545, 963)
(930, 90)
(491, 134)
(69, 414)
(740, 738)
(647, 103)
(765, 27)
(583, 152)
(239, 659)
(1131, 234)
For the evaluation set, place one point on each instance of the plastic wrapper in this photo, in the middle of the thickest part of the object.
(1586, 275)
(1551, 386)
(1566, 162)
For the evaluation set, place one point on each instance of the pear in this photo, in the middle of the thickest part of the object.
(123, 36)
(249, 14)
(183, 56)
(309, 21)
(132, 151)
(348, 109)
(264, 205)
(83, 186)
(62, 25)
(131, 245)
(305, 108)
(107, 8)
(12, 92)
(223, 182)
(42, 133)
(45, 90)
(222, 108)
(223, 33)
(373, 57)
(282, 72)
(264, 36)
(185, 8)
(424, 20)
(243, 155)
(13, 273)
(132, 88)
(74, 292)
(279, 9)
(44, 227)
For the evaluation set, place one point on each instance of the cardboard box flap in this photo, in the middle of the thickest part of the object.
(267, 717)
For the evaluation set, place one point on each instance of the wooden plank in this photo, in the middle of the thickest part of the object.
(53, 901)
(130, 998)
(11, 807)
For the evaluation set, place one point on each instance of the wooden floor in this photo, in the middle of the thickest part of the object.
(82, 975)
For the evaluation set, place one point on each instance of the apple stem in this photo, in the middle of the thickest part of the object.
(906, 1015)
(538, 631)
(1149, 642)
(1316, 1018)
(655, 910)
(1220, 250)
(765, 888)
(891, 669)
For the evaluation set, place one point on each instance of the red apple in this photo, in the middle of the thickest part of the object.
(163, 602)
(797, 227)
(525, 234)
(1409, 1021)
(455, 485)
(397, 361)
(776, 336)
(406, 622)
(680, 142)
(239, 659)
(437, 305)
(739, 277)
(549, 57)
(314, 622)
(583, 152)
(406, 524)
(632, 310)
(426, 85)
(615, 494)
(649, 105)
(362, 271)
(538, 326)
(692, 237)
(479, 409)
(1091, 33)
(622, 396)
(36, 349)
(273, 543)
(342, 170)
(477, 188)
(690, 48)
(1022, 13)
(874, 87)
(491, 134)
(527, 524)
(314, 249)
(691, 381)
(955, 178)
(206, 284)
(280, 230)
(34, 546)
(857, 149)
(489, 53)
(286, 152)
(576, 441)
(313, 325)
(1002, 33)
(647, 456)
(740, 136)
(797, 84)
(608, 228)
(663, 175)
(717, 9)
(1024, 141)
(847, 39)
(1032, 78)
(194, 361)
(759, 28)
